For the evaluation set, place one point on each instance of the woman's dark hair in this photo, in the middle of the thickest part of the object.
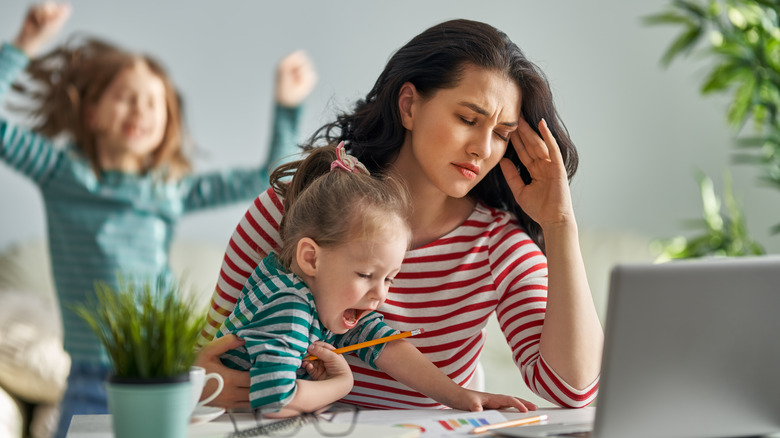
(435, 60)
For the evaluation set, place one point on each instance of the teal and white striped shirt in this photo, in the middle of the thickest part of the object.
(115, 223)
(276, 316)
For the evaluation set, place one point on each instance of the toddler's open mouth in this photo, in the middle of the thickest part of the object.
(352, 316)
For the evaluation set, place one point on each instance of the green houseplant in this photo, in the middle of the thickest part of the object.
(723, 234)
(149, 331)
(742, 39)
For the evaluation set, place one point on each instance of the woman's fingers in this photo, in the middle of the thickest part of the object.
(219, 346)
(519, 146)
(534, 144)
(512, 176)
(236, 390)
(541, 155)
(553, 150)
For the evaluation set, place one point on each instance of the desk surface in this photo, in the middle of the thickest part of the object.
(373, 423)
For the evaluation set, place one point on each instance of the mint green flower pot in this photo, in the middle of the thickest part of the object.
(150, 409)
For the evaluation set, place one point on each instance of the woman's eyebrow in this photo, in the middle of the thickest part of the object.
(479, 110)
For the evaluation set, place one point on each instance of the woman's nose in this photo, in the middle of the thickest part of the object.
(479, 144)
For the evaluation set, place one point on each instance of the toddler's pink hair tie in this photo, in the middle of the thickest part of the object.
(347, 162)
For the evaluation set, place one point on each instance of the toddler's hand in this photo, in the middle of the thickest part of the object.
(295, 78)
(328, 365)
(41, 24)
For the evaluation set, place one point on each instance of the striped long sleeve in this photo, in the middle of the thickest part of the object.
(448, 287)
(227, 187)
(32, 155)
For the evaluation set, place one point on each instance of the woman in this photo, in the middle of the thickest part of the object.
(441, 117)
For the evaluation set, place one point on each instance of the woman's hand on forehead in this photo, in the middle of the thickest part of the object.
(546, 199)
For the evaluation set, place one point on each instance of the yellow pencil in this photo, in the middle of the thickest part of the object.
(358, 346)
(510, 423)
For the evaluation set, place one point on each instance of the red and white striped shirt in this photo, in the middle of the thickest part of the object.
(449, 287)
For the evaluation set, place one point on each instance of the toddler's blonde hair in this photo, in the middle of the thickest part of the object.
(334, 207)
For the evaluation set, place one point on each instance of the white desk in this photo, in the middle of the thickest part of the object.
(99, 426)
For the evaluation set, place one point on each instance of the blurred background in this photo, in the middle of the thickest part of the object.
(641, 130)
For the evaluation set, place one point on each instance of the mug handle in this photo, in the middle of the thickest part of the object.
(220, 386)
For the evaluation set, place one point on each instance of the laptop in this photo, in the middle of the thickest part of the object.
(692, 349)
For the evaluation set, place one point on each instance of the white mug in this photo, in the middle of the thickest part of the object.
(198, 378)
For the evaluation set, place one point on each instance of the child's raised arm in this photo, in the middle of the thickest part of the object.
(295, 79)
(42, 23)
(404, 362)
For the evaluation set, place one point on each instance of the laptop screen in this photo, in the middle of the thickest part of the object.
(692, 349)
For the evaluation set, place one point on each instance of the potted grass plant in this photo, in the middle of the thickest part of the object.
(149, 331)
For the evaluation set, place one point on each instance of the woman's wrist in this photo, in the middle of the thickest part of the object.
(563, 227)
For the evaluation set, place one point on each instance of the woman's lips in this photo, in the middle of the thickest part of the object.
(468, 170)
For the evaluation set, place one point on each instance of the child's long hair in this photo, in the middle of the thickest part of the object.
(73, 77)
(334, 207)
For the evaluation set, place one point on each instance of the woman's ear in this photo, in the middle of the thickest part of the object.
(406, 99)
(306, 253)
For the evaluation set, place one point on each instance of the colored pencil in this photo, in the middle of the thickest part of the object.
(510, 423)
(360, 345)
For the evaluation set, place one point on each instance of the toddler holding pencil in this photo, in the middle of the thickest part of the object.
(344, 236)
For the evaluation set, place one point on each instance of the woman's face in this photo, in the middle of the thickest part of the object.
(457, 135)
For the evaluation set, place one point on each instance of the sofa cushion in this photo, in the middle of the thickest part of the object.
(26, 267)
(33, 364)
(11, 415)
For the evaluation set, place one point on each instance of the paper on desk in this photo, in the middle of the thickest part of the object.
(433, 423)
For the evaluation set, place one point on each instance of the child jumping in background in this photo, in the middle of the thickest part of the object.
(344, 236)
(115, 192)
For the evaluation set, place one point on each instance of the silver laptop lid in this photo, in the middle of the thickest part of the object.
(692, 349)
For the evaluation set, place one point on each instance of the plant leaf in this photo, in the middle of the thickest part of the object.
(684, 43)
(667, 18)
(721, 77)
(743, 98)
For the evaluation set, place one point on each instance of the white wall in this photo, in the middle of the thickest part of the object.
(641, 130)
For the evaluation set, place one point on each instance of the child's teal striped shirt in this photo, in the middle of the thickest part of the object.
(277, 317)
(114, 223)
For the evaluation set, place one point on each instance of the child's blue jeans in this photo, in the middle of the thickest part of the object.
(85, 394)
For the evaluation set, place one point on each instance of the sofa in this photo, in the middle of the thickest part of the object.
(34, 367)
